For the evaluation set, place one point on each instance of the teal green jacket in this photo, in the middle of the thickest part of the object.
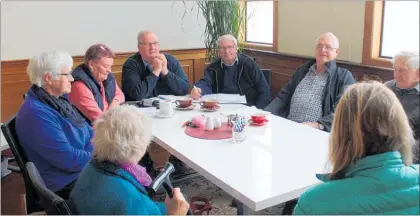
(378, 184)
(104, 188)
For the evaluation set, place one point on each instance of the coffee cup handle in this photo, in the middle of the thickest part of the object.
(177, 102)
(201, 103)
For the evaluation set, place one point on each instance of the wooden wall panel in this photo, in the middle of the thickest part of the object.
(188, 67)
(199, 66)
(15, 82)
(284, 65)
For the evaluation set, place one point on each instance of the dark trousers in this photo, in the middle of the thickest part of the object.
(287, 209)
(65, 191)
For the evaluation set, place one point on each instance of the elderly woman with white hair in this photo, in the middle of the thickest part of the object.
(52, 132)
(406, 87)
(113, 182)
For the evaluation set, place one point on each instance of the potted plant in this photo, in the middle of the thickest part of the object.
(221, 17)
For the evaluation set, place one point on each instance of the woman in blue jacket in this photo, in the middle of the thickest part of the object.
(371, 158)
(113, 182)
(52, 132)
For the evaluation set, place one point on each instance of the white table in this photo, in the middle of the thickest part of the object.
(276, 163)
(3, 143)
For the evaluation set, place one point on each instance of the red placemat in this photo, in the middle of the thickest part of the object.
(225, 132)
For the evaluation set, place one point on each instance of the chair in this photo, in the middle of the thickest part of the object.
(52, 203)
(10, 135)
(267, 74)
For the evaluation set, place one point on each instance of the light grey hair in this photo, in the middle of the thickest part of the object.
(412, 58)
(329, 34)
(141, 34)
(227, 37)
(122, 134)
(47, 62)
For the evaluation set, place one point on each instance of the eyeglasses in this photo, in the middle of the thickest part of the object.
(327, 47)
(156, 43)
(66, 74)
(227, 48)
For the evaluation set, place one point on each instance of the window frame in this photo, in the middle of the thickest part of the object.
(372, 39)
(263, 46)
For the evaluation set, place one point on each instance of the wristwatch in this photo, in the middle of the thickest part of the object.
(320, 126)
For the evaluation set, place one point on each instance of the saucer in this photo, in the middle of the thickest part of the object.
(159, 115)
(209, 110)
(252, 123)
(185, 108)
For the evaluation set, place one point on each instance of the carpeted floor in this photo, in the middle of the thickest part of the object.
(220, 200)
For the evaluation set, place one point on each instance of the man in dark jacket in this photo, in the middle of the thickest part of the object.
(149, 73)
(233, 73)
(406, 87)
(312, 94)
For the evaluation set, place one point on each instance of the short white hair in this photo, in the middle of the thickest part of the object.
(141, 34)
(411, 57)
(122, 134)
(47, 62)
(227, 37)
(331, 35)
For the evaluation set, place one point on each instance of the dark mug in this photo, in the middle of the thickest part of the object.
(209, 104)
(184, 103)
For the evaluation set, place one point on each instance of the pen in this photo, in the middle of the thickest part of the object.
(197, 88)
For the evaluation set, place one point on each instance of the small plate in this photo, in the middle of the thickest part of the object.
(159, 115)
(185, 108)
(209, 110)
(252, 123)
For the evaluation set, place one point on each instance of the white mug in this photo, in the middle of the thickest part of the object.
(166, 108)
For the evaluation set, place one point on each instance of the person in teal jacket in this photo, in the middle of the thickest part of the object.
(371, 158)
(113, 182)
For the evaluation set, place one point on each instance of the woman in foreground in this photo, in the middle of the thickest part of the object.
(371, 158)
(113, 182)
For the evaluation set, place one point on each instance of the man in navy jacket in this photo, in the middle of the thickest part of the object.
(149, 73)
(234, 73)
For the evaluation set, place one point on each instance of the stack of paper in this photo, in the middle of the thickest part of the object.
(227, 98)
(221, 98)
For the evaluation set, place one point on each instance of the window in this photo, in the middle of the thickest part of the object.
(400, 29)
(390, 26)
(261, 25)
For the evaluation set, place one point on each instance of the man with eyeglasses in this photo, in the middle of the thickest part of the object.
(310, 97)
(150, 73)
(406, 87)
(233, 73)
(147, 74)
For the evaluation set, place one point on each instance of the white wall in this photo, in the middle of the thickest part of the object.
(301, 22)
(28, 28)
